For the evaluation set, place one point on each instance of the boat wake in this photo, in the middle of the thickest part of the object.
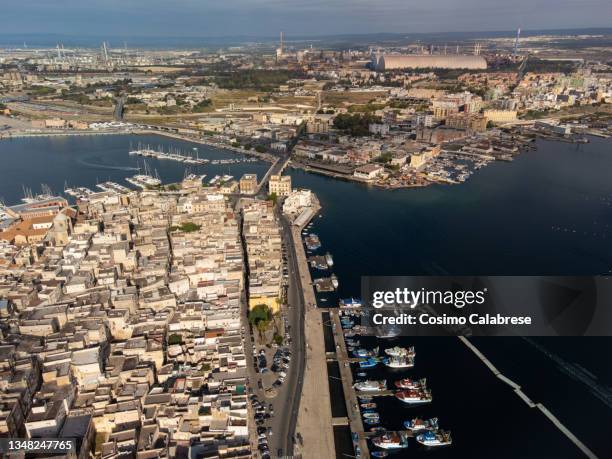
(105, 166)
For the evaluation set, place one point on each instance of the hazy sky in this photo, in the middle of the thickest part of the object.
(301, 17)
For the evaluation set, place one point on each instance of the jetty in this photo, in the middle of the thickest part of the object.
(350, 397)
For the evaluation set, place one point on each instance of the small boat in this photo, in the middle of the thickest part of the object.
(371, 386)
(312, 242)
(365, 352)
(370, 362)
(378, 430)
(329, 259)
(391, 440)
(350, 303)
(399, 362)
(362, 374)
(379, 454)
(413, 397)
(371, 414)
(418, 424)
(408, 383)
(368, 406)
(334, 281)
(371, 421)
(434, 438)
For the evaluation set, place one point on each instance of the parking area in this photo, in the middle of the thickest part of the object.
(272, 356)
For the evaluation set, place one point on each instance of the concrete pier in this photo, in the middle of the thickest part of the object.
(352, 403)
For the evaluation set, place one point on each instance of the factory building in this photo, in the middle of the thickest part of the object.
(384, 62)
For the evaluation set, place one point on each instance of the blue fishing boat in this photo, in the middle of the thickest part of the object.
(368, 363)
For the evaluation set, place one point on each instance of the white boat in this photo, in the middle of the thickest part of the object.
(143, 181)
(435, 438)
(399, 362)
(398, 351)
(418, 424)
(350, 303)
(391, 440)
(334, 281)
(371, 386)
(413, 384)
(413, 397)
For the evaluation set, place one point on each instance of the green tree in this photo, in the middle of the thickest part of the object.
(356, 124)
(260, 317)
(189, 227)
(272, 197)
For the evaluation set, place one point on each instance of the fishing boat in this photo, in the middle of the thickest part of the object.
(312, 242)
(398, 351)
(350, 303)
(391, 440)
(370, 362)
(434, 438)
(408, 383)
(399, 362)
(371, 385)
(418, 424)
(366, 353)
(334, 281)
(414, 397)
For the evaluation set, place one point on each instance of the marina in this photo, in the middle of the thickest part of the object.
(112, 186)
(186, 157)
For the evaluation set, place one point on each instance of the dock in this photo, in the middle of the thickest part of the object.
(352, 403)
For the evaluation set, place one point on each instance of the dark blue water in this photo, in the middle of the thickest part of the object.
(548, 212)
(87, 160)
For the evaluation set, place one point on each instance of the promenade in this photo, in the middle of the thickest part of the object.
(314, 423)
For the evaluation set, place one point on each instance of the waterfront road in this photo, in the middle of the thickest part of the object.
(287, 400)
(288, 407)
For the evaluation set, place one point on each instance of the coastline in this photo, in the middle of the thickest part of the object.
(139, 131)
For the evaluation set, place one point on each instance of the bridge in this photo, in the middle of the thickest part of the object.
(118, 115)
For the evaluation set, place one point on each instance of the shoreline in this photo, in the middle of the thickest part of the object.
(138, 131)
